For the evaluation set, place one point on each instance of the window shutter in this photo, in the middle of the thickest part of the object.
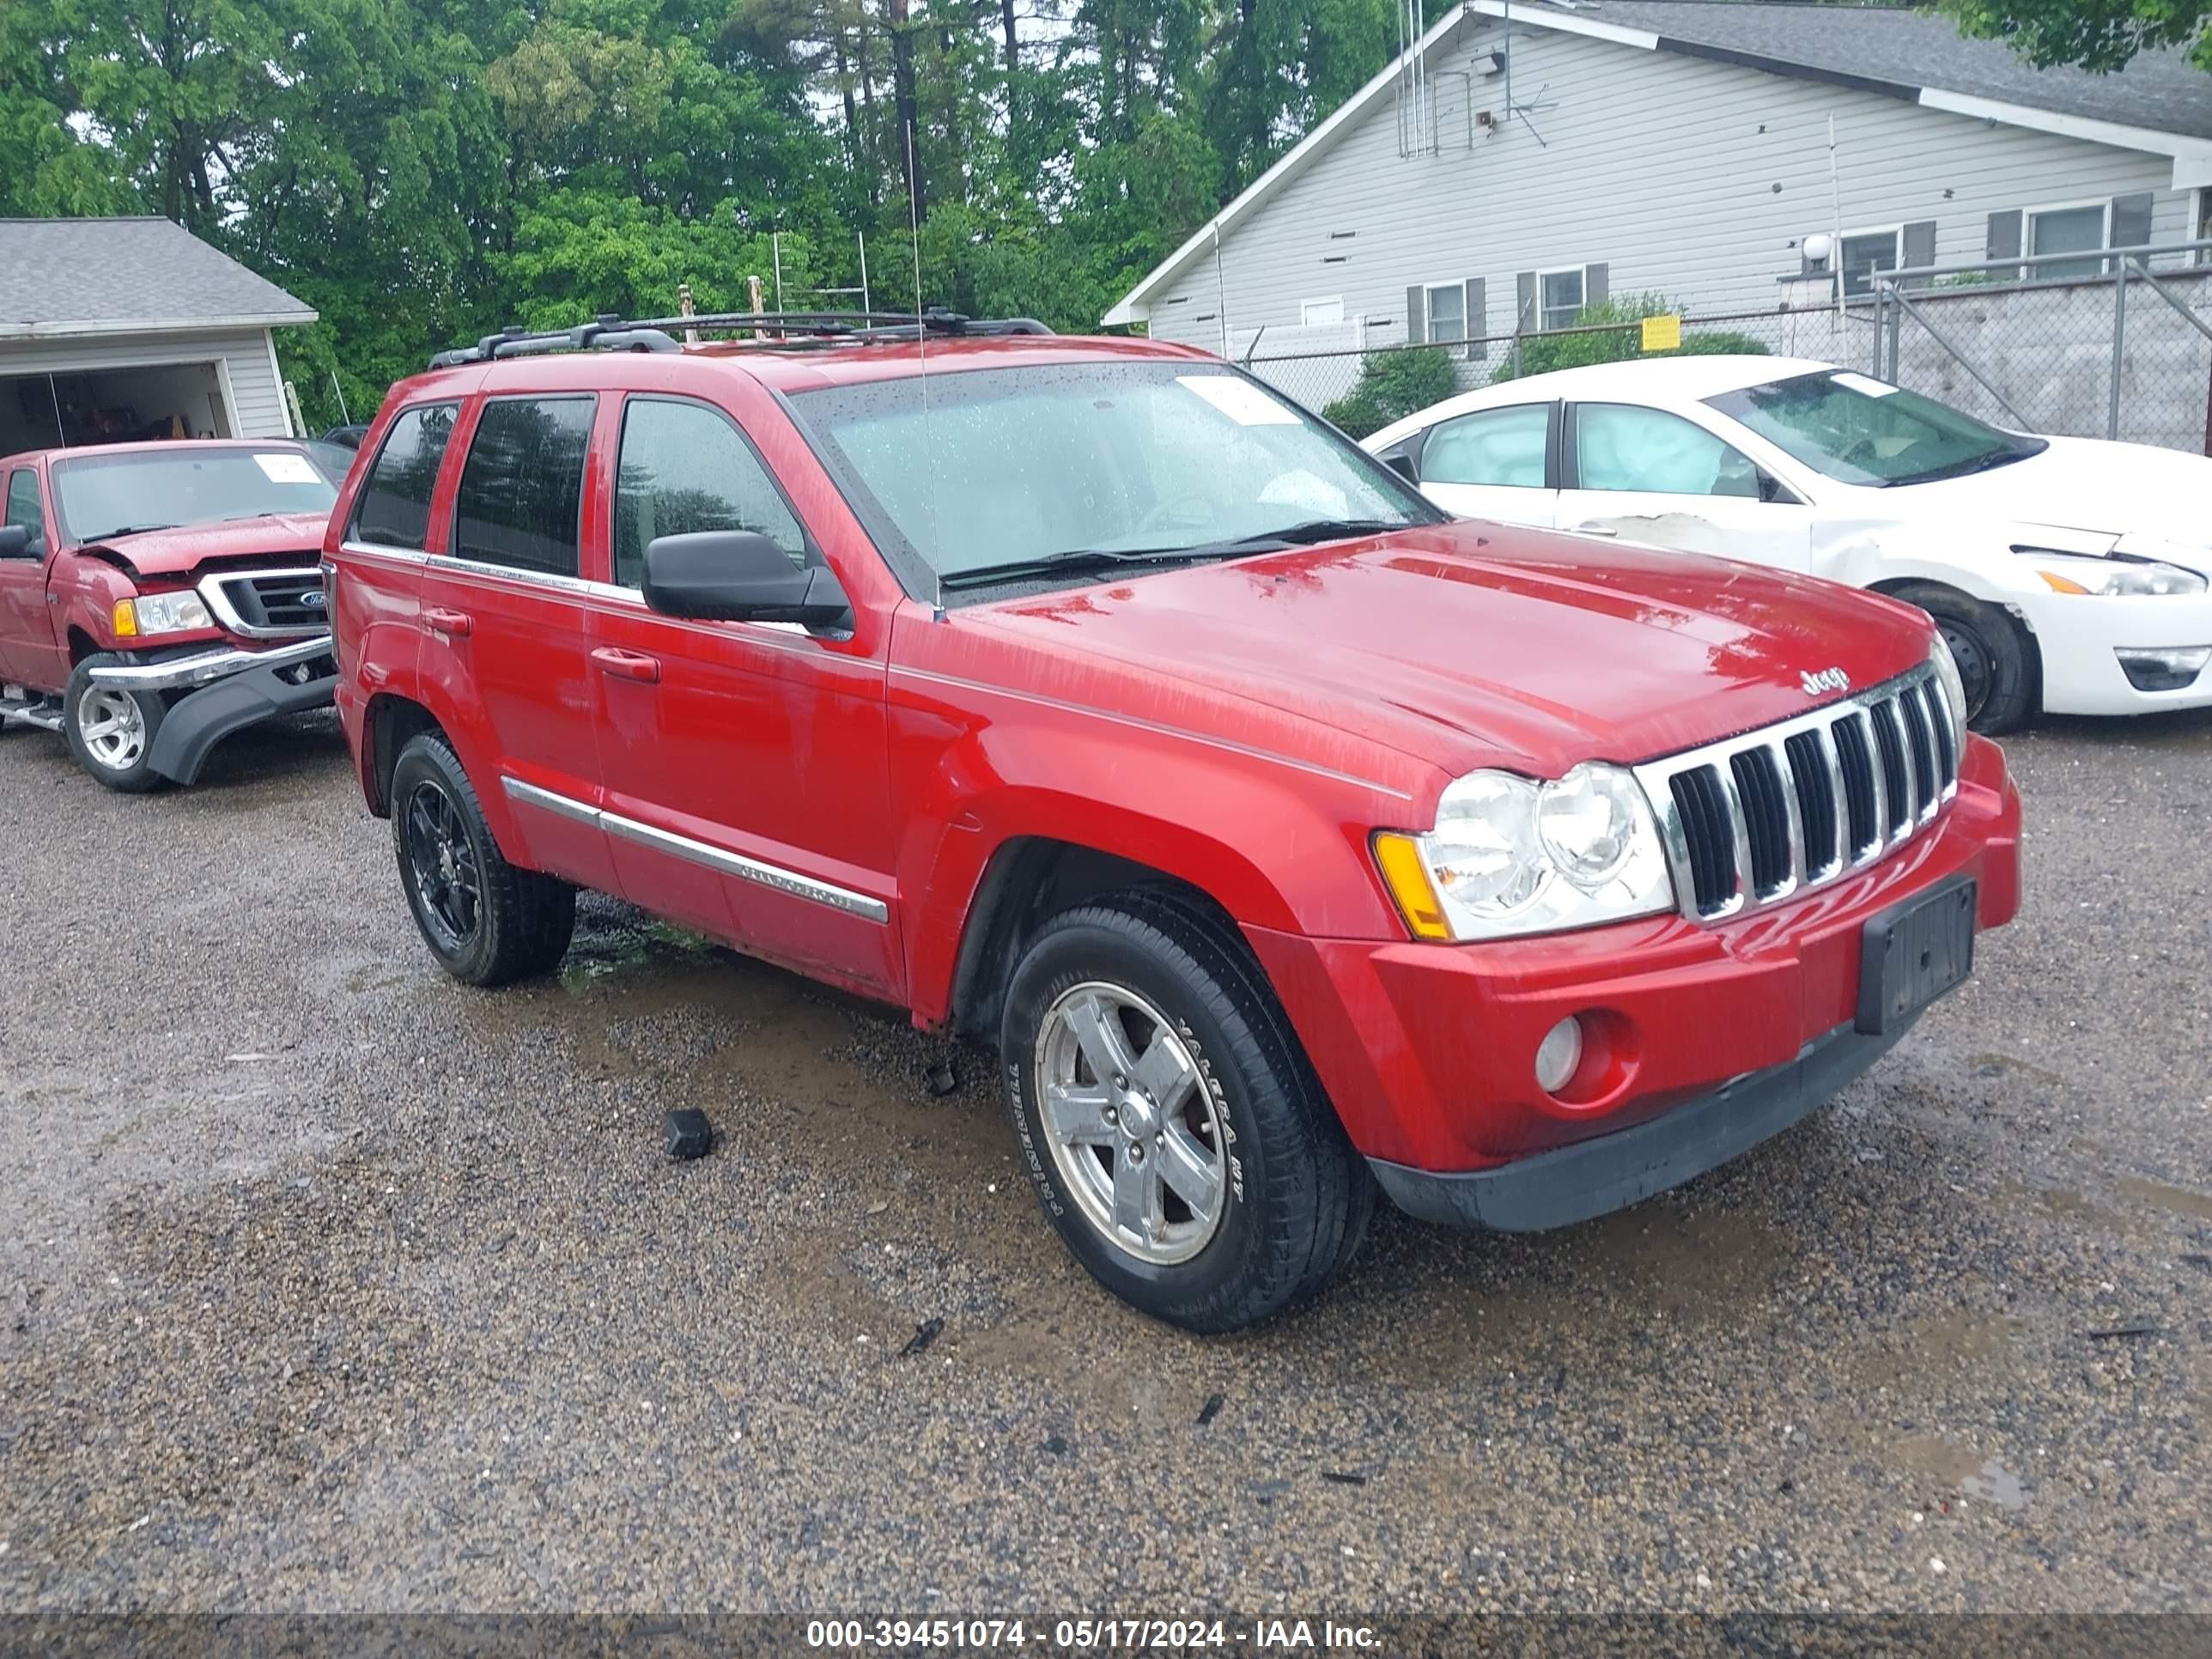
(1595, 281)
(2004, 238)
(2131, 220)
(1416, 315)
(1478, 320)
(1525, 320)
(1919, 247)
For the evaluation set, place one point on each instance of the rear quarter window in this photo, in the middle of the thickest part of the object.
(394, 509)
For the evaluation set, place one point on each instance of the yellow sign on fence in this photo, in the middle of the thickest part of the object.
(1663, 333)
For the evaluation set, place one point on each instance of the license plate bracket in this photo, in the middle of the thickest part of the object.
(1913, 953)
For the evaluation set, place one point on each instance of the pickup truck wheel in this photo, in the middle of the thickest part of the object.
(488, 922)
(111, 731)
(1174, 1132)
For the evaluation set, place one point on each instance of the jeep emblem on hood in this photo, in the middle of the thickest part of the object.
(1828, 679)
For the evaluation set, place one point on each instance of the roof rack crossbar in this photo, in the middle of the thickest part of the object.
(610, 332)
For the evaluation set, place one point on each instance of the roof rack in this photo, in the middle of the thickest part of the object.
(788, 328)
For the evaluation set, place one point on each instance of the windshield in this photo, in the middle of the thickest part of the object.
(105, 495)
(1012, 467)
(1863, 432)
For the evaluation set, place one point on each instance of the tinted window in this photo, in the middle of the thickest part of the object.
(1497, 446)
(23, 507)
(394, 509)
(522, 499)
(1621, 446)
(685, 468)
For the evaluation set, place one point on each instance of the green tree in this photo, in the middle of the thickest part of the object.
(2102, 35)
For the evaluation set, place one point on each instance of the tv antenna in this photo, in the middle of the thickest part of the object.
(1536, 105)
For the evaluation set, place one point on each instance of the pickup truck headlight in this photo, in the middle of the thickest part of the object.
(1510, 856)
(160, 613)
(2119, 578)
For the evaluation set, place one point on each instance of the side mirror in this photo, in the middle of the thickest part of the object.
(1771, 488)
(738, 575)
(15, 541)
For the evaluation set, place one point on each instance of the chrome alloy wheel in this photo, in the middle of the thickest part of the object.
(113, 727)
(1133, 1126)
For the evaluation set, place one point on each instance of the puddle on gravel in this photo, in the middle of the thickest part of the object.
(2180, 1199)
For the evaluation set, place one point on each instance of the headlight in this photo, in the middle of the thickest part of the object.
(160, 613)
(2122, 577)
(1510, 856)
(1954, 691)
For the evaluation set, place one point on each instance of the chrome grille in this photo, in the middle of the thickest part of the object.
(1759, 819)
(269, 605)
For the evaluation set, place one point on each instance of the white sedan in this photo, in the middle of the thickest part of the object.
(2067, 573)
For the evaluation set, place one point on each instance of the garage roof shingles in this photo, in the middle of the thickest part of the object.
(63, 277)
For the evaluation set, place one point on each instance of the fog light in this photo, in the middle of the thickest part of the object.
(2164, 670)
(1558, 1056)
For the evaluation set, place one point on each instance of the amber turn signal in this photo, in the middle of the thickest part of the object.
(2060, 584)
(126, 619)
(1407, 877)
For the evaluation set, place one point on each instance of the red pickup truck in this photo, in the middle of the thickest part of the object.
(156, 598)
(1286, 838)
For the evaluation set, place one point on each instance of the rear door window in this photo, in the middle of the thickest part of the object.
(394, 509)
(1494, 446)
(522, 499)
(685, 468)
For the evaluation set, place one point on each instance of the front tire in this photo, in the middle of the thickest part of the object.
(1995, 657)
(111, 731)
(488, 922)
(1177, 1139)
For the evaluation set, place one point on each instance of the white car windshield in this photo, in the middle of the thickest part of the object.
(1003, 472)
(1863, 432)
(105, 495)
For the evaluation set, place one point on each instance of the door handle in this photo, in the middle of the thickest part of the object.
(628, 665)
(1595, 529)
(458, 623)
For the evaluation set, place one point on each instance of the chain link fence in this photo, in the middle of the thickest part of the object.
(2125, 352)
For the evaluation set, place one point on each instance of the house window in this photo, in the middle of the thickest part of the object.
(2203, 231)
(2077, 229)
(1314, 313)
(1447, 304)
(1866, 252)
(1561, 300)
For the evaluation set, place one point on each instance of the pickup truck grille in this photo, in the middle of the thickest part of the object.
(1757, 819)
(269, 605)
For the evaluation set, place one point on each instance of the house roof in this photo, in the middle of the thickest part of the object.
(2160, 103)
(60, 277)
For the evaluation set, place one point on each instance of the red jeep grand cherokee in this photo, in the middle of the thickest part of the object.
(1083, 697)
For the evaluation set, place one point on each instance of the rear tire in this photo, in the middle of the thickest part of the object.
(488, 922)
(1210, 1078)
(1996, 659)
(110, 732)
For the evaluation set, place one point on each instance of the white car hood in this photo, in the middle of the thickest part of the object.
(2146, 498)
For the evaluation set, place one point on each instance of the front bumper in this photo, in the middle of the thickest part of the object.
(225, 691)
(2078, 635)
(1428, 1051)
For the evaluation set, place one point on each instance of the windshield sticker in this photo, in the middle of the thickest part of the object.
(288, 468)
(1873, 388)
(1240, 400)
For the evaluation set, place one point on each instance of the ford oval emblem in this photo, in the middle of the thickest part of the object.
(1828, 679)
(313, 600)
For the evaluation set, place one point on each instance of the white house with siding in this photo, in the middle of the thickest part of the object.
(1524, 160)
(124, 328)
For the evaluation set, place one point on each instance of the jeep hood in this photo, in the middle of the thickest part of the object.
(1468, 644)
(181, 551)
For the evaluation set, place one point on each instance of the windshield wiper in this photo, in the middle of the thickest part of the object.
(1080, 562)
(1094, 561)
(1995, 457)
(131, 530)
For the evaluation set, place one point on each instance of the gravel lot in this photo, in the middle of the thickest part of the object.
(328, 1284)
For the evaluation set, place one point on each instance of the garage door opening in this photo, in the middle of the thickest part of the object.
(112, 406)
